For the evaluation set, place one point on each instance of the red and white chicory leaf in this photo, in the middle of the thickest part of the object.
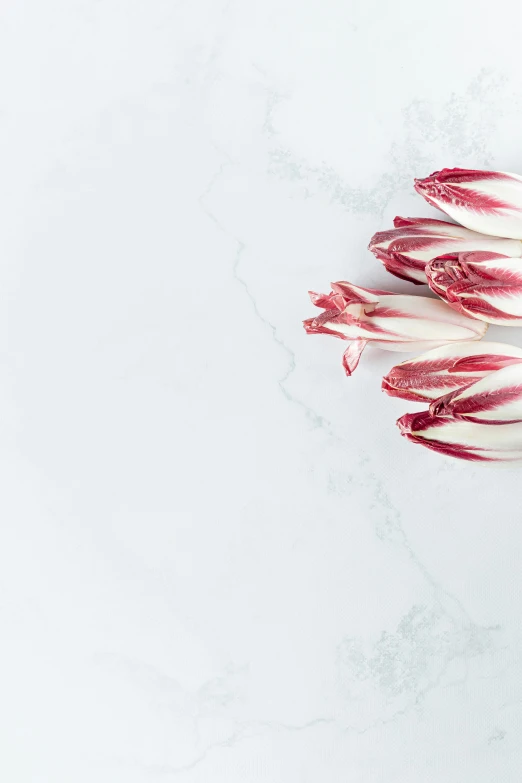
(487, 286)
(395, 322)
(444, 370)
(463, 439)
(495, 399)
(406, 249)
(489, 202)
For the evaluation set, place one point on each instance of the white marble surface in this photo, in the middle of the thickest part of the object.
(219, 562)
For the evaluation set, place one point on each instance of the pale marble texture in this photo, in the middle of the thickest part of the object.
(219, 562)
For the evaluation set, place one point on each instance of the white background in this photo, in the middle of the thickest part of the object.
(219, 561)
